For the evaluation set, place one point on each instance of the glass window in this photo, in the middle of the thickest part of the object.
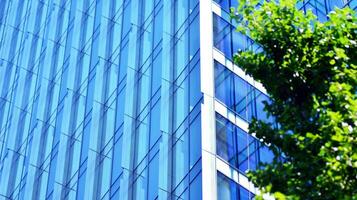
(148, 8)
(180, 103)
(238, 148)
(195, 90)
(156, 73)
(181, 12)
(265, 154)
(127, 23)
(158, 25)
(180, 158)
(239, 41)
(144, 88)
(196, 188)
(155, 131)
(261, 114)
(251, 103)
(153, 177)
(193, 4)
(226, 188)
(233, 3)
(146, 39)
(241, 89)
(223, 3)
(181, 53)
(247, 148)
(195, 141)
(242, 139)
(238, 95)
(141, 141)
(224, 85)
(222, 35)
(194, 36)
(244, 194)
(226, 140)
(140, 185)
(226, 4)
(123, 62)
(116, 171)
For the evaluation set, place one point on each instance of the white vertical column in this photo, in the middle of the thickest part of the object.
(208, 136)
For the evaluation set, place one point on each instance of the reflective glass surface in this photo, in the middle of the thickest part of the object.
(238, 148)
(238, 95)
(228, 40)
(230, 190)
(100, 99)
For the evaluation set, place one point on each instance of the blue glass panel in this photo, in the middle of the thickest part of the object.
(224, 85)
(181, 14)
(182, 48)
(196, 188)
(193, 4)
(158, 27)
(155, 131)
(226, 188)
(239, 42)
(223, 3)
(181, 104)
(180, 158)
(244, 194)
(226, 4)
(148, 8)
(238, 95)
(261, 114)
(238, 148)
(233, 3)
(140, 185)
(153, 177)
(195, 141)
(156, 74)
(222, 35)
(265, 155)
(226, 140)
(243, 141)
(195, 90)
(241, 91)
(194, 36)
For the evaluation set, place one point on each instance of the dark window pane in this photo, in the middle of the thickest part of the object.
(222, 35)
(227, 189)
(224, 85)
(226, 145)
(238, 148)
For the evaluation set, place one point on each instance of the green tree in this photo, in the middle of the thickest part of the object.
(309, 70)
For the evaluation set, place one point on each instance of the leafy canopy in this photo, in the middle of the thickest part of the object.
(309, 69)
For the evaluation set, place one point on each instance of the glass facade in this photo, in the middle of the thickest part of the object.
(89, 89)
(240, 99)
(121, 99)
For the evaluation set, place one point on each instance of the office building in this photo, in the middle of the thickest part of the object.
(127, 99)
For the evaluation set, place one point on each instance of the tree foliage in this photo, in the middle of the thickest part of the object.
(309, 69)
